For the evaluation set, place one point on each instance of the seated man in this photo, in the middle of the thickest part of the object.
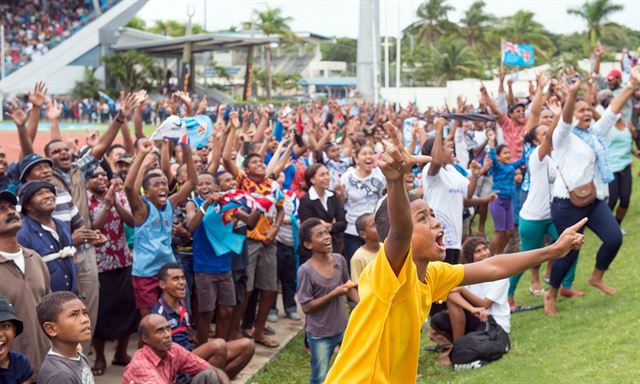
(231, 356)
(160, 360)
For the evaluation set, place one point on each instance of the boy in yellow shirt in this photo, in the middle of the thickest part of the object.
(366, 227)
(381, 342)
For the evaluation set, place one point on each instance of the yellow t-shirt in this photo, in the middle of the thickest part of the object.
(360, 259)
(382, 340)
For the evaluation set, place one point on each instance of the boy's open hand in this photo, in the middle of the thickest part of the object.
(570, 239)
(395, 162)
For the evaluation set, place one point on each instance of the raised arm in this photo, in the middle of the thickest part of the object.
(138, 207)
(547, 144)
(394, 163)
(502, 266)
(438, 151)
(618, 102)
(54, 110)
(165, 160)
(536, 105)
(20, 117)
(37, 98)
(190, 184)
(489, 102)
(138, 127)
(228, 163)
(128, 103)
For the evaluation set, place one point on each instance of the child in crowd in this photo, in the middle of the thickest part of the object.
(382, 340)
(504, 185)
(469, 307)
(153, 218)
(366, 227)
(322, 281)
(65, 320)
(14, 367)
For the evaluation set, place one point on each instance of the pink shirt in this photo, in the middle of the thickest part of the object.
(147, 367)
(513, 135)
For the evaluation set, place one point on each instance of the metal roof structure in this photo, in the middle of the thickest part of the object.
(205, 42)
(334, 81)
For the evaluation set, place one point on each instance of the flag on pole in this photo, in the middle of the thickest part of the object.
(517, 55)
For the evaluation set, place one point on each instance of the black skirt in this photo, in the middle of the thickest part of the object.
(117, 313)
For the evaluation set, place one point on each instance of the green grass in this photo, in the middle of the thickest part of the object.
(594, 339)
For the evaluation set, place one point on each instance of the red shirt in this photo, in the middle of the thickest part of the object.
(513, 135)
(147, 367)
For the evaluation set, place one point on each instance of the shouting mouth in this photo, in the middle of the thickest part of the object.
(440, 241)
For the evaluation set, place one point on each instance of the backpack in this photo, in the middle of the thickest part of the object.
(477, 348)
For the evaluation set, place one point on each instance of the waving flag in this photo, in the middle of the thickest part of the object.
(236, 198)
(199, 129)
(520, 55)
(220, 234)
(172, 128)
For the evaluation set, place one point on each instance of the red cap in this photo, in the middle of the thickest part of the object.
(613, 74)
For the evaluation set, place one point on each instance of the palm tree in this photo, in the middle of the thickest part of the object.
(89, 86)
(474, 22)
(595, 13)
(272, 23)
(449, 60)
(522, 28)
(433, 21)
(174, 28)
(133, 70)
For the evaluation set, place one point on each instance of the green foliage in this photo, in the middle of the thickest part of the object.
(271, 22)
(286, 81)
(89, 86)
(137, 23)
(174, 28)
(342, 49)
(595, 13)
(133, 70)
(449, 60)
(433, 21)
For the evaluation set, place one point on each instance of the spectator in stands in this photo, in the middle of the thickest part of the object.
(160, 360)
(24, 281)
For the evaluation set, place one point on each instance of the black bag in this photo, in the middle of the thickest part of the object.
(475, 349)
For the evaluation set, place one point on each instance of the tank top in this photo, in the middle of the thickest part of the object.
(152, 244)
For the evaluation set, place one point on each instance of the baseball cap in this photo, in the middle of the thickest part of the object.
(125, 158)
(613, 74)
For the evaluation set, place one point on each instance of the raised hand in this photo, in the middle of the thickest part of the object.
(575, 86)
(555, 108)
(131, 101)
(395, 162)
(570, 239)
(598, 50)
(54, 110)
(234, 119)
(110, 196)
(19, 116)
(202, 105)
(634, 77)
(39, 94)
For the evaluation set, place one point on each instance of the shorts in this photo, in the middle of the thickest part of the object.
(240, 285)
(214, 288)
(262, 270)
(146, 291)
(502, 214)
(484, 185)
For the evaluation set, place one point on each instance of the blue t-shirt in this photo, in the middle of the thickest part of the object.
(19, 369)
(503, 176)
(205, 259)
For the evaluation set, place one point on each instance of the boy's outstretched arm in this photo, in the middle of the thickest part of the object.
(502, 266)
(394, 163)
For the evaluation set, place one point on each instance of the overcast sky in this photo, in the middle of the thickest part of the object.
(339, 18)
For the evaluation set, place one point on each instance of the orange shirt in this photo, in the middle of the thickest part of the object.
(263, 187)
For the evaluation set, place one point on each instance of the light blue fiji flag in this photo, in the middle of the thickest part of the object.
(220, 235)
(199, 129)
(517, 55)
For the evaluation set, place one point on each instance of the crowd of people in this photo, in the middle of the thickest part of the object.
(325, 202)
(34, 27)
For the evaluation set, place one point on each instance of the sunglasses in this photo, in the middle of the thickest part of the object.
(98, 174)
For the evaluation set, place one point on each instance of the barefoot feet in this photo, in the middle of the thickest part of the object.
(550, 301)
(598, 283)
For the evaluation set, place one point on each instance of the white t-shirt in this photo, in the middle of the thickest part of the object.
(495, 291)
(542, 174)
(17, 258)
(362, 195)
(445, 193)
